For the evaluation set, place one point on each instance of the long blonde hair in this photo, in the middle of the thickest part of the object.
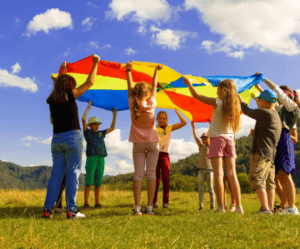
(140, 90)
(62, 86)
(231, 110)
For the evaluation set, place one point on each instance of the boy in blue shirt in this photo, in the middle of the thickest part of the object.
(95, 153)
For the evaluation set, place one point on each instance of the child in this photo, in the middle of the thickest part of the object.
(224, 124)
(233, 205)
(205, 171)
(95, 152)
(265, 138)
(285, 157)
(144, 136)
(163, 164)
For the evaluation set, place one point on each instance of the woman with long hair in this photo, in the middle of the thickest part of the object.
(66, 145)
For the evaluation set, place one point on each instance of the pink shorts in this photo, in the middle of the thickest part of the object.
(221, 147)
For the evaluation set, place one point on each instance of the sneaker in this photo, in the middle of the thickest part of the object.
(290, 210)
(74, 215)
(98, 205)
(166, 205)
(220, 210)
(46, 214)
(149, 210)
(86, 205)
(232, 208)
(278, 208)
(200, 208)
(225, 206)
(263, 211)
(155, 205)
(239, 210)
(137, 211)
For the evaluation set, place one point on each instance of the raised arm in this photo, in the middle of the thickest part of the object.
(113, 124)
(294, 135)
(129, 78)
(85, 115)
(155, 79)
(64, 66)
(195, 135)
(202, 98)
(181, 124)
(77, 92)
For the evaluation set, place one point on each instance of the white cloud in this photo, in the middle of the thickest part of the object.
(66, 53)
(92, 5)
(106, 46)
(94, 45)
(12, 80)
(130, 51)
(119, 167)
(115, 146)
(168, 38)
(16, 68)
(51, 19)
(246, 125)
(179, 149)
(265, 25)
(88, 22)
(37, 140)
(140, 11)
(17, 21)
(27, 144)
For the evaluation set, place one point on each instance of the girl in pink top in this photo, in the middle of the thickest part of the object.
(144, 136)
(225, 122)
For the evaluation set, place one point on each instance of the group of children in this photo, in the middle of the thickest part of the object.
(272, 146)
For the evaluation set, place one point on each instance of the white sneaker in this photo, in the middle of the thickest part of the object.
(137, 211)
(75, 215)
(239, 210)
(289, 210)
(232, 208)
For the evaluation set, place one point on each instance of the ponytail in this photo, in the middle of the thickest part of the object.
(140, 90)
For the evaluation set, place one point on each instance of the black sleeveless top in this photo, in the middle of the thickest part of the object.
(65, 115)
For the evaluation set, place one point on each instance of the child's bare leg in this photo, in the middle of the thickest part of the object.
(263, 198)
(216, 163)
(97, 194)
(86, 193)
(279, 191)
(232, 179)
(288, 187)
(225, 192)
(151, 186)
(271, 198)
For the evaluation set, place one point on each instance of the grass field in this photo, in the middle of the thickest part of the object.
(181, 226)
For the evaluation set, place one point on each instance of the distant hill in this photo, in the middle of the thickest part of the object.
(15, 176)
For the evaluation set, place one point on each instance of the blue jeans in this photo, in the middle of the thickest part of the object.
(66, 151)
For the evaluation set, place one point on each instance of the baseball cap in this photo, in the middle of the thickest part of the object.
(268, 95)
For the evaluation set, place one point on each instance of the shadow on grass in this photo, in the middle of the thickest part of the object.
(20, 212)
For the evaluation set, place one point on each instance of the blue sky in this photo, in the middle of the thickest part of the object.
(197, 37)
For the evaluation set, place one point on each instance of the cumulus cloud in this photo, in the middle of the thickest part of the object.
(51, 19)
(168, 38)
(116, 146)
(106, 46)
(246, 125)
(16, 68)
(94, 44)
(179, 149)
(27, 144)
(119, 167)
(130, 51)
(12, 80)
(140, 11)
(265, 25)
(87, 23)
(37, 140)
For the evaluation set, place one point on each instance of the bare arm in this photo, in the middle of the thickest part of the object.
(181, 124)
(129, 78)
(202, 98)
(113, 124)
(195, 135)
(294, 136)
(77, 92)
(64, 71)
(85, 115)
(155, 79)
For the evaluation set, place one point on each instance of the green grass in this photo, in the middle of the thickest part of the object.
(181, 226)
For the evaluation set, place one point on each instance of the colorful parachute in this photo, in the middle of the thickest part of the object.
(110, 88)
